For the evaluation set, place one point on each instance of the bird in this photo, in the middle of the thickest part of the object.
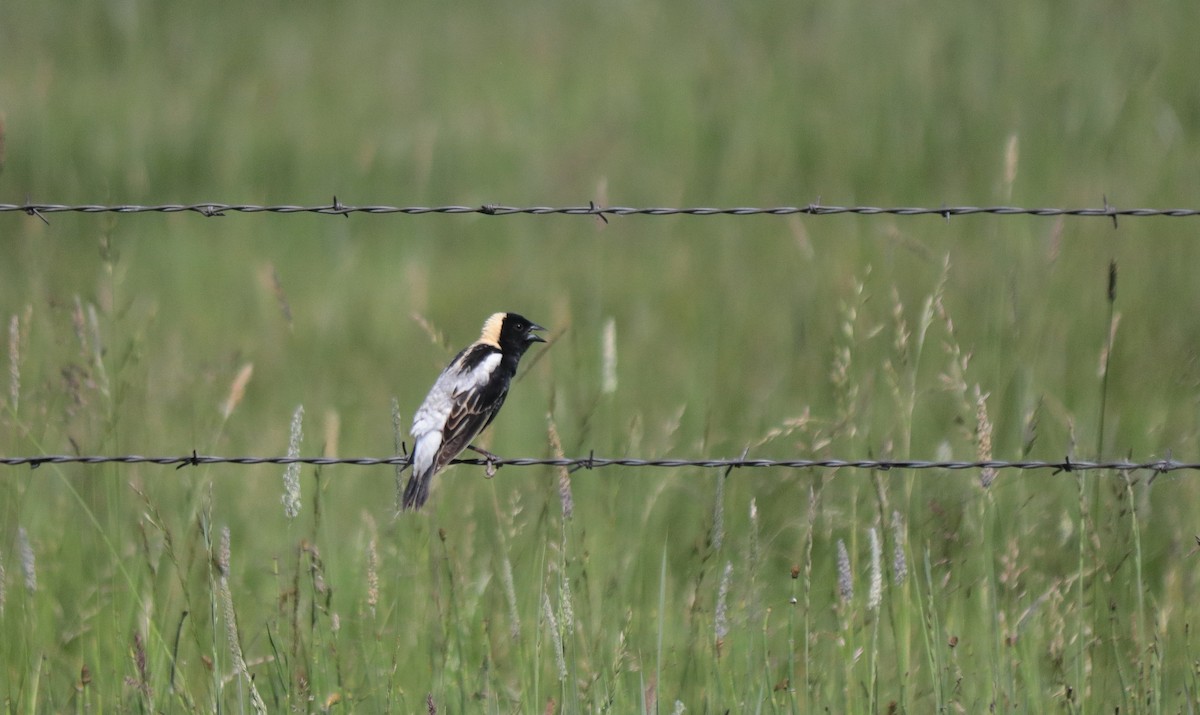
(465, 399)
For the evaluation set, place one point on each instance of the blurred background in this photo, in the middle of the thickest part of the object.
(837, 336)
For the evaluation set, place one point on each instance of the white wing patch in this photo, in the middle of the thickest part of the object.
(431, 416)
(482, 372)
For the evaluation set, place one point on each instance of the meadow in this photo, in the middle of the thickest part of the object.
(141, 588)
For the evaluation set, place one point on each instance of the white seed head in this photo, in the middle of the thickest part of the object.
(899, 562)
(291, 473)
(875, 593)
(608, 351)
(845, 576)
(28, 563)
(721, 625)
(14, 362)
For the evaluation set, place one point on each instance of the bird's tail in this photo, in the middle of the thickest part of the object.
(417, 490)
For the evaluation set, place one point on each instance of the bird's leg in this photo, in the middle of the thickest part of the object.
(490, 468)
(408, 458)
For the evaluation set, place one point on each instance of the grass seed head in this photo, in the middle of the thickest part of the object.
(608, 351)
(14, 362)
(899, 562)
(291, 473)
(564, 475)
(237, 390)
(372, 576)
(721, 622)
(983, 438)
(28, 562)
(845, 576)
(875, 593)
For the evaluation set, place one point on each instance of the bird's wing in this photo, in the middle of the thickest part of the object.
(467, 419)
(469, 407)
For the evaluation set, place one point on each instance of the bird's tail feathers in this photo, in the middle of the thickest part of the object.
(417, 490)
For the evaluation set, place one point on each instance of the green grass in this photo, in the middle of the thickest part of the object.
(782, 337)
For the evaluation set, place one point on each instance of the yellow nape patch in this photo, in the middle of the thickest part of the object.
(491, 330)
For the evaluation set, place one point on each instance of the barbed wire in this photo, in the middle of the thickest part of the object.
(337, 208)
(1160, 466)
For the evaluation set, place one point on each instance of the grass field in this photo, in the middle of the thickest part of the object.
(138, 588)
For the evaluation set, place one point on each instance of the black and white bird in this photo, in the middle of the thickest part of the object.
(466, 398)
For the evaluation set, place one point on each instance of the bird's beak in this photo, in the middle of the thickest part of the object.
(533, 337)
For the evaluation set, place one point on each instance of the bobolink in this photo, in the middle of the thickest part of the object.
(465, 398)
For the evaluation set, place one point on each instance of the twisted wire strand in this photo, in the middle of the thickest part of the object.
(337, 208)
(1160, 466)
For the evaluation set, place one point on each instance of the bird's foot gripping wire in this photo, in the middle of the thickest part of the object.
(489, 469)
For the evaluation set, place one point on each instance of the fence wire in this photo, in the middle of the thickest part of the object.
(337, 208)
(1160, 466)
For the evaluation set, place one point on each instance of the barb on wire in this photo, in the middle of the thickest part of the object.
(33, 211)
(1066, 465)
(337, 208)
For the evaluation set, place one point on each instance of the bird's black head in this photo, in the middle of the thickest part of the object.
(512, 333)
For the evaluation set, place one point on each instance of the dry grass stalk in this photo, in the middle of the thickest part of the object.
(1011, 567)
(237, 390)
(143, 671)
(844, 384)
(1030, 431)
(316, 569)
(1106, 350)
(809, 538)
(270, 282)
(801, 423)
(97, 356)
(903, 334)
(435, 336)
(1012, 151)
(983, 438)
(564, 475)
(231, 629)
(954, 379)
(333, 429)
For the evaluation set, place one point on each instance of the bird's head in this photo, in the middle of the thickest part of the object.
(512, 333)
